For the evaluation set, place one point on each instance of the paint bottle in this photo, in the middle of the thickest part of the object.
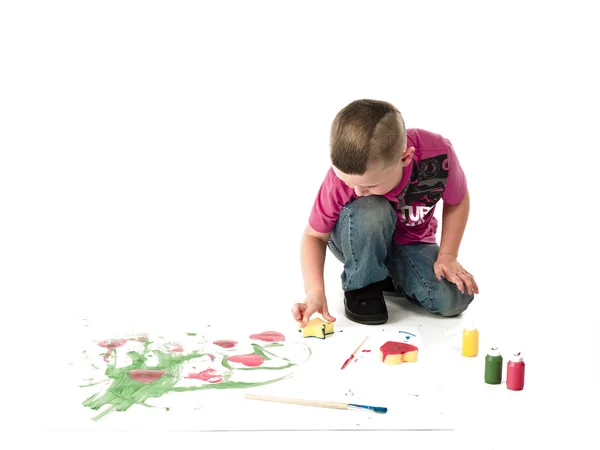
(515, 373)
(470, 341)
(493, 366)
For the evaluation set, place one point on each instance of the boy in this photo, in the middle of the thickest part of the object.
(374, 211)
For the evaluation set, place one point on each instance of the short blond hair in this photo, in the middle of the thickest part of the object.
(366, 132)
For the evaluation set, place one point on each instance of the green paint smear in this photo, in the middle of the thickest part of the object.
(192, 334)
(125, 392)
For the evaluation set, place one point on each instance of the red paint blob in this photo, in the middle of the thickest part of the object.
(225, 343)
(251, 360)
(146, 376)
(209, 375)
(366, 351)
(396, 348)
(268, 336)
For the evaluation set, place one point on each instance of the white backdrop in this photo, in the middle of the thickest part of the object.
(159, 159)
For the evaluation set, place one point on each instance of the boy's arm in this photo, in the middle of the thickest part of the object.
(331, 198)
(312, 255)
(313, 249)
(454, 222)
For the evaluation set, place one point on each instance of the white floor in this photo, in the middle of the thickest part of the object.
(556, 406)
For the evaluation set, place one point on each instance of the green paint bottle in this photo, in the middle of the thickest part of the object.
(493, 366)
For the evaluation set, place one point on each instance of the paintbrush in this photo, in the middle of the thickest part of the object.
(354, 353)
(318, 403)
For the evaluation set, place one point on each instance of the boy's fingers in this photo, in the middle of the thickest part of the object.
(296, 312)
(306, 315)
(473, 283)
(328, 316)
(470, 283)
(459, 283)
(464, 280)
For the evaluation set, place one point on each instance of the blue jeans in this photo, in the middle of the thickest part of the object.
(362, 240)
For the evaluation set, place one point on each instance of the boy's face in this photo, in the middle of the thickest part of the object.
(379, 179)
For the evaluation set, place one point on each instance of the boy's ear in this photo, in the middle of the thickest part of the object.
(407, 156)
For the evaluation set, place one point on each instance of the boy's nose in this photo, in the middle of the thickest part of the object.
(361, 192)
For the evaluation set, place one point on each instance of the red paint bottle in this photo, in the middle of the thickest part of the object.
(515, 373)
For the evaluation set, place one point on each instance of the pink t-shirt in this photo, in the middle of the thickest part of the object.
(433, 174)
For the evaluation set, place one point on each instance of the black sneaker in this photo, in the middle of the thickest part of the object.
(388, 288)
(366, 305)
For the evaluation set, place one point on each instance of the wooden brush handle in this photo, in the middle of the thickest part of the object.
(294, 401)
(358, 348)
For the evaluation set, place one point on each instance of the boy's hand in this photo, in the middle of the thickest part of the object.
(447, 266)
(312, 303)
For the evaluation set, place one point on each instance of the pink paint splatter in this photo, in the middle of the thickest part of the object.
(174, 347)
(268, 336)
(146, 376)
(225, 343)
(209, 375)
(111, 345)
(251, 360)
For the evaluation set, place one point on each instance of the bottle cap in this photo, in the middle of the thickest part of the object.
(470, 326)
(516, 357)
(494, 351)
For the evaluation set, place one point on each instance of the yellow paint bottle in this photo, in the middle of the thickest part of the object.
(470, 341)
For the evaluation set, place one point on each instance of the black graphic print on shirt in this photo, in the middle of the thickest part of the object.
(425, 188)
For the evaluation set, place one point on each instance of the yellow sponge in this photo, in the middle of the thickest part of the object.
(317, 327)
(398, 352)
